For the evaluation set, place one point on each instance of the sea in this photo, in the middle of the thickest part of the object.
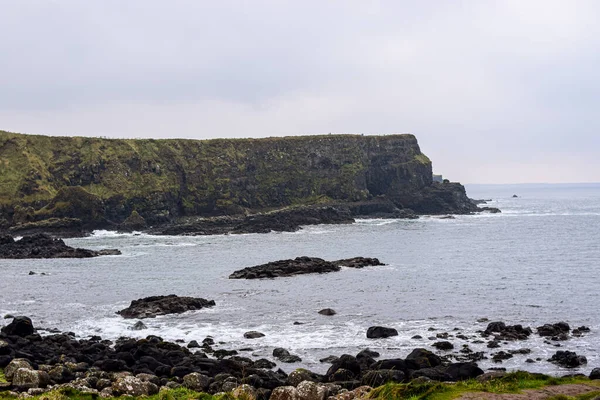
(536, 262)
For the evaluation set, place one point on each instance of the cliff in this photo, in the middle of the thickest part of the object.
(91, 182)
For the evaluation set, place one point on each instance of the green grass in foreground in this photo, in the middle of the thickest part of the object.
(511, 383)
(2, 377)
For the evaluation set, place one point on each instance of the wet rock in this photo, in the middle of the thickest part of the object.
(284, 356)
(501, 331)
(346, 362)
(42, 245)
(568, 359)
(595, 374)
(301, 265)
(253, 335)
(196, 381)
(423, 358)
(153, 306)
(138, 326)
(264, 363)
(377, 332)
(554, 329)
(501, 356)
(580, 331)
(327, 311)
(20, 326)
(193, 344)
(443, 345)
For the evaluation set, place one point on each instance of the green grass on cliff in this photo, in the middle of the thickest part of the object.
(2, 377)
(511, 383)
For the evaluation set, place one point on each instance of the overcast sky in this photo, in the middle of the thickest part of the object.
(495, 91)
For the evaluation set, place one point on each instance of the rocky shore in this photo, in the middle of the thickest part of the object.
(44, 246)
(35, 363)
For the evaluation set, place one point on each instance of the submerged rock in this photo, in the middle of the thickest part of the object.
(44, 246)
(150, 307)
(301, 265)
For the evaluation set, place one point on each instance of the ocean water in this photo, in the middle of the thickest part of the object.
(537, 262)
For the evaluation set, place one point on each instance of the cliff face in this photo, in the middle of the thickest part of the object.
(92, 179)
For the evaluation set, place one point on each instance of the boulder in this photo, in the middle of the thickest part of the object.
(568, 359)
(138, 326)
(301, 375)
(20, 326)
(463, 371)
(423, 358)
(346, 362)
(196, 381)
(245, 392)
(14, 365)
(308, 390)
(153, 306)
(284, 393)
(26, 378)
(377, 332)
(595, 374)
(132, 386)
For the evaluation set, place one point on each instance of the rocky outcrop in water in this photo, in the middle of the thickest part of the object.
(301, 265)
(44, 246)
(150, 307)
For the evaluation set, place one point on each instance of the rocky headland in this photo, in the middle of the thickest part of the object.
(43, 246)
(301, 265)
(69, 186)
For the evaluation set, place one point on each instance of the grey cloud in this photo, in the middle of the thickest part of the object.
(488, 87)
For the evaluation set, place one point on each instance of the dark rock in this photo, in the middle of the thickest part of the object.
(150, 307)
(253, 335)
(327, 311)
(417, 337)
(434, 373)
(264, 363)
(300, 265)
(138, 326)
(329, 359)
(595, 374)
(346, 362)
(376, 332)
(135, 222)
(580, 331)
(341, 375)
(443, 345)
(424, 358)
(501, 356)
(41, 245)
(193, 344)
(20, 326)
(568, 359)
(501, 331)
(367, 353)
(382, 376)
(463, 371)
(554, 329)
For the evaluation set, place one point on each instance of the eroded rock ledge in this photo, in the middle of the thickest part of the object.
(150, 307)
(44, 246)
(301, 265)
